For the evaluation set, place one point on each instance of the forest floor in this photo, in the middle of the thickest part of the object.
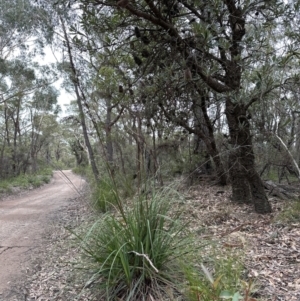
(269, 248)
(26, 219)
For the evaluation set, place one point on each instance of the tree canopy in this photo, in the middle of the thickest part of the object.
(193, 86)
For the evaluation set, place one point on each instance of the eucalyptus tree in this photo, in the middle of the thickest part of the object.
(72, 133)
(23, 28)
(72, 72)
(290, 93)
(274, 117)
(20, 83)
(276, 125)
(43, 114)
(23, 32)
(22, 25)
(107, 98)
(217, 44)
(98, 79)
(112, 45)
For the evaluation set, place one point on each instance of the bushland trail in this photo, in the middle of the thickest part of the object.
(24, 218)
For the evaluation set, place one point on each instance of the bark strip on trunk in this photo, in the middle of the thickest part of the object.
(246, 182)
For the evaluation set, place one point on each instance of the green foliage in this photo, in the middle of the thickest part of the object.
(137, 254)
(84, 171)
(5, 186)
(65, 163)
(104, 195)
(46, 178)
(34, 181)
(26, 181)
(47, 171)
(272, 175)
(224, 283)
(291, 213)
(126, 185)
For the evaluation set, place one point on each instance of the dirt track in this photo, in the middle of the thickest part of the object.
(24, 218)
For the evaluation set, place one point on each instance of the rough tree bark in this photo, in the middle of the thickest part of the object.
(207, 137)
(211, 142)
(246, 182)
(244, 176)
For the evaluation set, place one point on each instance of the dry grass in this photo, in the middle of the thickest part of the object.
(269, 248)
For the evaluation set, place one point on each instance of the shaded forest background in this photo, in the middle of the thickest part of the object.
(161, 89)
(172, 100)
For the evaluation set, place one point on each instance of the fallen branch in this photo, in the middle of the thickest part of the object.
(285, 192)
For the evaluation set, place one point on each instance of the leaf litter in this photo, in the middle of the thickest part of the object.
(270, 249)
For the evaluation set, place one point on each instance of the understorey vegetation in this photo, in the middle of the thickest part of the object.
(166, 96)
(24, 182)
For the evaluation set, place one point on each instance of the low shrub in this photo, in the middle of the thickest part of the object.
(291, 212)
(46, 172)
(126, 185)
(35, 181)
(5, 186)
(25, 181)
(223, 280)
(136, 253)
(46, 179)
(83, 171)
(104, 195)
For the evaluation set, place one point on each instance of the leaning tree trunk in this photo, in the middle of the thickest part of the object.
(246, 182)
(205, 132)
(76, 84)
(108, 138)
(214, 153)
(211, 142)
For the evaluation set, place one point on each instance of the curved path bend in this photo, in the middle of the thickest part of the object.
(24, 218)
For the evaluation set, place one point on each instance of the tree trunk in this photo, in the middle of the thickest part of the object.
(210, 142)
(214, 153)
(207, 135)
(109, 142)
(76, 83)
(157, 172)
(241, 192)
(246, 182)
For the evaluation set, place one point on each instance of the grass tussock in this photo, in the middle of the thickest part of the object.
(137, 253)
(291, 213)
(141, 250)
(218, 279)
(104, 195)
